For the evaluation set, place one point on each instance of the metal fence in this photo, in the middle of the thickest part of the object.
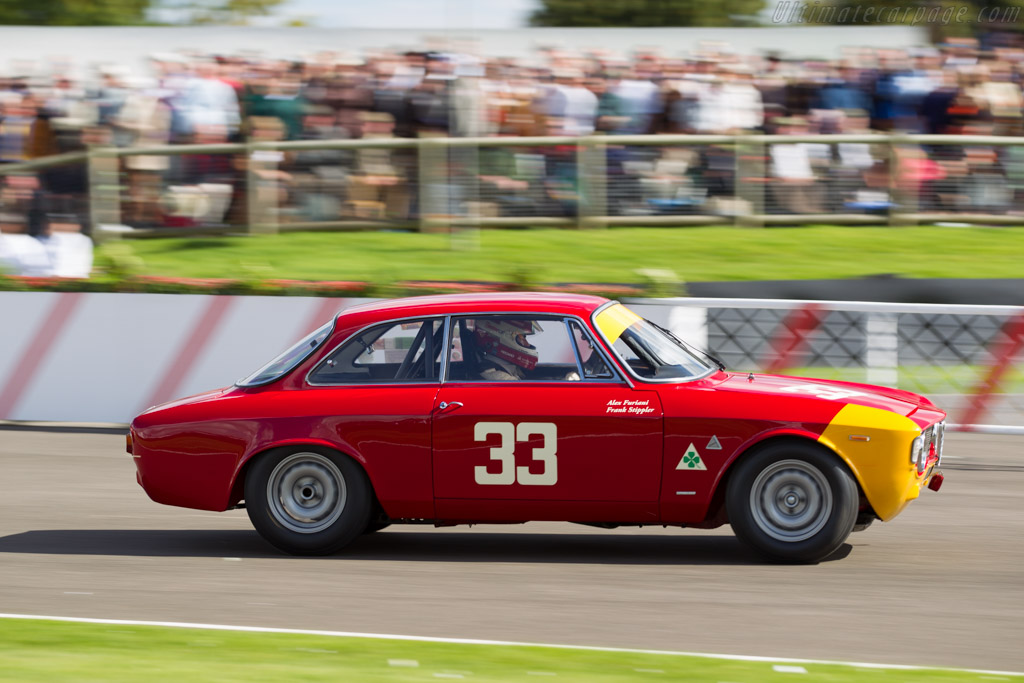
(596, 181)
(967, 359)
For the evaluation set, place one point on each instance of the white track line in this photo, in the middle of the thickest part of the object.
(476, 641)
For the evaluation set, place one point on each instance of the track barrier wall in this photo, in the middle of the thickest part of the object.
(105, 357)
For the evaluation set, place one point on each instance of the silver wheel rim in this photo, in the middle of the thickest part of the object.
(791, 500)
(306, 492)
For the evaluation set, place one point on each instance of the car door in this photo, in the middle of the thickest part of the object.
(372, 396)
(566, 439)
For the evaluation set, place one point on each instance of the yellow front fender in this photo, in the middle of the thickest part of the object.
(875, 444)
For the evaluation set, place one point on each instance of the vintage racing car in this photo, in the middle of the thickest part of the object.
(519, 407)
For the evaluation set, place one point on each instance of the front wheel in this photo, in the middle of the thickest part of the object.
(307, 502)
(792, 502)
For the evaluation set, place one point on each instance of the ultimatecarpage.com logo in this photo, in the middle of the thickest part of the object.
(817, 12)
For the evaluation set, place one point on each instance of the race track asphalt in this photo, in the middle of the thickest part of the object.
(941, 585)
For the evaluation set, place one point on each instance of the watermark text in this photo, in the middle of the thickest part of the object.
(817, 12)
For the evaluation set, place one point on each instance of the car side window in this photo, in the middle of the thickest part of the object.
(504, 348)
(594, 366)
(407, 351)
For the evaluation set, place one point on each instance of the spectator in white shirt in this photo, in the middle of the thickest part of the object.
(793, 187)
(206, 102)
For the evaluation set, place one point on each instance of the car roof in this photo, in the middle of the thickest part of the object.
(505, 302)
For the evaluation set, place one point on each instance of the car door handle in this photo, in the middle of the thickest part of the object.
(445, 405)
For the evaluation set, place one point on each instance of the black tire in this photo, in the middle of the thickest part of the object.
(307, 501)
(792, 501)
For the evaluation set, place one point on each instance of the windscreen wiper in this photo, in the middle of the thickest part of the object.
(713, 359)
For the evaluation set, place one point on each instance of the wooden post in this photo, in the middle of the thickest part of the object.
(909, 199)
(261, 192)
(432, 157)
(103, 168)
(592, 182)
(750, 185)
(895, 195)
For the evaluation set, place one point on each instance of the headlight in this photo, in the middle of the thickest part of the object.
(917, 454)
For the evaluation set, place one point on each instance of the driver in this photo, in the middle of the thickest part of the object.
(505, 352)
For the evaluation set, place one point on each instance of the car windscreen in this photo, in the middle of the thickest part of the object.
(287, 361)
(647, 350)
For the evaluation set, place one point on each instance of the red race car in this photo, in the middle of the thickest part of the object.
(518, 407)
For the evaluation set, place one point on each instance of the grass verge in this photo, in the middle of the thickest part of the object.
(608, 256)
(33, 650)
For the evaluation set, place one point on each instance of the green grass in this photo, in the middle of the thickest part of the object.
(608, 256)
(58, 651)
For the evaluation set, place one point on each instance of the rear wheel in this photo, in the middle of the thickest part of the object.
(307, 502)
(793, 502)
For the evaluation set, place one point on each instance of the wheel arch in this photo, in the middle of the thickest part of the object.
(237, 493)
(716, 510)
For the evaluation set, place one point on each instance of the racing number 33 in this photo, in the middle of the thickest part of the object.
(505, 453)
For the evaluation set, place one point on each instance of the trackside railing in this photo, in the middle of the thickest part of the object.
(441, 183)
(967, 359)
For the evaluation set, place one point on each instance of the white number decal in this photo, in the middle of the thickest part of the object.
(504, 453)
(545, 454)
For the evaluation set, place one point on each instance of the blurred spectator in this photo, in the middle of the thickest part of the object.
(794, 189)
(205, 102)
(143, 120)
(956, 88)
(844, 90)
(641, 100)
(17, 115)
(729, 103)
(378, 187)
(571, 107)
(111, 94)
(610, 115)
(276, 93)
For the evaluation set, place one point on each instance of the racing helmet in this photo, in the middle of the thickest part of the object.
(507, 340)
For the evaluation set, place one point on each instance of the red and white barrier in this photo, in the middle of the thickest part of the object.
(789, 344)
(103, 358)
(72, 357)
(984, 407)
(1003, 357)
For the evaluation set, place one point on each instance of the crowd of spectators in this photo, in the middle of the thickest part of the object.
(189, 98)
